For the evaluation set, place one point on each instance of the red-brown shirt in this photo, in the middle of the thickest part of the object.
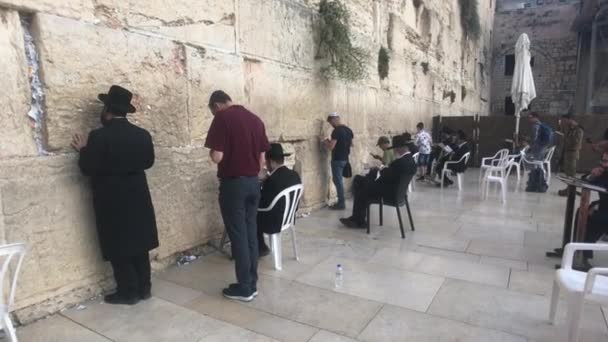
(241, 136)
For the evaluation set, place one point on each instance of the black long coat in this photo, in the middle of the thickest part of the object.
(283, 178)
(115, 158)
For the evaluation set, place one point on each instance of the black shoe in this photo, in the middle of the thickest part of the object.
(238, 293)
(337, 207)
(420, 179)
(563, 193)
(255, 289)
(350, 223)
(145, 295)
(116, 298)
(554, 254)
(584, 266)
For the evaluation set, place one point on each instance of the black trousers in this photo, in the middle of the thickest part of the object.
(132, 275)
(596, 227)
(365, 190)
(239, 199)
(434, 155)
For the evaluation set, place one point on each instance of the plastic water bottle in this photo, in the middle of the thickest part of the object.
(339, 277)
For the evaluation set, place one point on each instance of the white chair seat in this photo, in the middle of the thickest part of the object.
(579, 287)
(574, 281)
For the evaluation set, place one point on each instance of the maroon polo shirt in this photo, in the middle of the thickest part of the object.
(241, 136)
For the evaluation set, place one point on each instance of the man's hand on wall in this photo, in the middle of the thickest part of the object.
(78, 142)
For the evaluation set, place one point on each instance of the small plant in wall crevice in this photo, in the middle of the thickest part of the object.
(383, 62)
(345, 60)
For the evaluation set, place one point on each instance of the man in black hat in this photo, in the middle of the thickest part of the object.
(280, 178)
(370, 188)
(116, 156)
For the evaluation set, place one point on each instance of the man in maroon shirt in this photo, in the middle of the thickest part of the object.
(237, 140)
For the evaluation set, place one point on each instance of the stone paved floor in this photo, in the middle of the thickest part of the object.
(473, 271)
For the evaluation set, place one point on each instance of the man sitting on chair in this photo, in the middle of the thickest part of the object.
(280, 178)
(381, 183)
(459, 149)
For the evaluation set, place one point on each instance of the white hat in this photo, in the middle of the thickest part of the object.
(333, 115)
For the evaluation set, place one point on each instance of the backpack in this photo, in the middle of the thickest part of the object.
(536, 181)
(545, 135)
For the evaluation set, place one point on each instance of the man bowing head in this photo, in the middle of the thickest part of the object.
(115, 157)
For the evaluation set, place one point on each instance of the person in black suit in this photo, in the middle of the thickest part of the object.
(459, 149)
(279, 179)
(116, 157)
(373, 187)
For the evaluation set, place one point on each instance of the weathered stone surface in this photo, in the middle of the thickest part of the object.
(206, 22)
(47, 205)
(277, 29)
(81, 9)
(16, 136)
(208, 71)
(154, 69)
(184, 190)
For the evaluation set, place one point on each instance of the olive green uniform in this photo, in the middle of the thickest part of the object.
(573, 142)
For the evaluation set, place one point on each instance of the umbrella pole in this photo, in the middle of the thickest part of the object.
(516, 135)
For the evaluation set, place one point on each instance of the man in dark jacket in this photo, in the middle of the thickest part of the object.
(279, 179)
(385, 186)
(459, 149)
(115, 157)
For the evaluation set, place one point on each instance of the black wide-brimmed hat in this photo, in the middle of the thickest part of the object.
(118, 99)
(399, 141)
(276, 152)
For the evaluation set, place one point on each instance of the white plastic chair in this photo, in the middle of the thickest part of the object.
(497, 174)
(7, 252)
(412, 185)
(515, 162)
(292, 197)
(488, 162)
(580, 287)
(545, 164)
(445, 170)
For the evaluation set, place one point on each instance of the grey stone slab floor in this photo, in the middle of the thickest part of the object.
(474, 270)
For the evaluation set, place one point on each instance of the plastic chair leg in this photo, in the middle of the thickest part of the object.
(459, 177)
(381, 213)
(575, 310)
(409, 214)
(442, 175)
(503, 189)
(9, 329)
(554, 301)
(294, 242)
(275, 242)
(400, 222)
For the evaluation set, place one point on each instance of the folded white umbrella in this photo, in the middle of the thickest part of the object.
(523, 90)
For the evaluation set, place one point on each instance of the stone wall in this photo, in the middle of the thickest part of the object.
(553, 47)
(262, 52)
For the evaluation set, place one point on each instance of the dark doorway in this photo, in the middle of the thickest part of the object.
(509, 106)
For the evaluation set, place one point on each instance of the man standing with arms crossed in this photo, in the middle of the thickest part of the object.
(339, 145)
(237, 140)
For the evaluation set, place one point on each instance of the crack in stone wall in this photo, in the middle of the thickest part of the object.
(36, 112)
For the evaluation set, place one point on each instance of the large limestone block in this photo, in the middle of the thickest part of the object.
(81, 60)
(278, 30)
(208, 71)
(47, 205)
(16, 136)
(80, 9)
(184, 191)
(206, 22)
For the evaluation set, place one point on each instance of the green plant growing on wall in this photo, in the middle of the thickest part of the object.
(469, 18)
(345, 61)
(383, 62)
